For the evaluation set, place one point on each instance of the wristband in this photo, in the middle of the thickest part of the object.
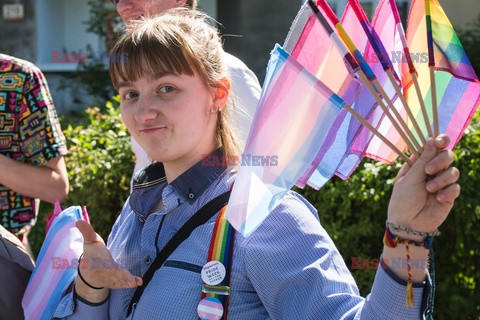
(396, 227)
(84, 281)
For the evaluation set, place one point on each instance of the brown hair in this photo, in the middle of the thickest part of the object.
(178, 41)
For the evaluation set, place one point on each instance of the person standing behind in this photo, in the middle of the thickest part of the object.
(32, 146)
(245, 89)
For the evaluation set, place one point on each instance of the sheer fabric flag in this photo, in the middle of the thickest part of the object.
(323, 55)
(313, 48)
(389, 31)
(293, 119)
(458, 88)
(56, 266)
(364, 143)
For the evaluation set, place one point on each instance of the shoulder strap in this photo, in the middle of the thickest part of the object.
(199, 218)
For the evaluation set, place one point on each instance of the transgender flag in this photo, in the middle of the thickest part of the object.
(56, 266)
(354, 21)
(458, 88)
(316, 50)
(294, 118)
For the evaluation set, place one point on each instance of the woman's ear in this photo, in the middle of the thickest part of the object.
(221, 93)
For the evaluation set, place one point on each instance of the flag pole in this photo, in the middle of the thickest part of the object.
(364, 122)
(387, 64)
(411, 67)
(400, 95)
(370, 88)
(422, 103)
(433, 87)
(431, 65)
(369, 81)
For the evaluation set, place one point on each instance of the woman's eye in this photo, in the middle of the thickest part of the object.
(167, 89)
(130, 95)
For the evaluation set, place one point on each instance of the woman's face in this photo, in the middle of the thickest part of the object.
(171, 116)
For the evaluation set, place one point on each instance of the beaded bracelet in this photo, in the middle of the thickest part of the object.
(396, 227)
(80, 275)
(391, 241)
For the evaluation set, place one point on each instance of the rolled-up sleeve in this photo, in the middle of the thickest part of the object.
(73, 307)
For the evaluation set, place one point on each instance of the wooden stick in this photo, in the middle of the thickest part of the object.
(367, 83)
(397, 115)
(433, 87)
(422, 104)
(378, 134)
(407, 107)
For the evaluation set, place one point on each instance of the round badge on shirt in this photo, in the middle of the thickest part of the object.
(210, 308)
(213, 273)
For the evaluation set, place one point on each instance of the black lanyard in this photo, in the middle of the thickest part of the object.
(199, 218)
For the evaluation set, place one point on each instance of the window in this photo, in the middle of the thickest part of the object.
(333, 5)
(61, 28)
(209, 7)
(368, 8)
(403, 8)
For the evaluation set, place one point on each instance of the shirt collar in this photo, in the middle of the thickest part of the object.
(190, 184)
(195, 180)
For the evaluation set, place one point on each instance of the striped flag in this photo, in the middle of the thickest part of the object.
(294, 118)
(316, 50)
(355, 22)
(351, 139)
(388, 30)
(458, 88)
(56, 266)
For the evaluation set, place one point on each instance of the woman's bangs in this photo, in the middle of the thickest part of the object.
(147, 56)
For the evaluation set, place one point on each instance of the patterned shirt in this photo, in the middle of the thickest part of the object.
(289, 268)
(29, 132)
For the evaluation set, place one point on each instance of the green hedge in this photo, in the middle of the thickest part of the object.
(354, 212)
(100, 163)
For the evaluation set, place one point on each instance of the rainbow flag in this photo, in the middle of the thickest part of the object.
(56, 266)
(458, 88)
(294, 118)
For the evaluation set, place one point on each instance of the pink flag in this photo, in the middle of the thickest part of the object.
(294, 118)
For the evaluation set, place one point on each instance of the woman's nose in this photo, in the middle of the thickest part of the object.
(146, 109)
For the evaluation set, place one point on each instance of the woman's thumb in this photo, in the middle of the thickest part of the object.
(89, 235)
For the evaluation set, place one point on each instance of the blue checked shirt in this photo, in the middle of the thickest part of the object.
(289, 268)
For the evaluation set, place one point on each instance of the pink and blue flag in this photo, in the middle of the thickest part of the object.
(319, 52)
(294, 118)
(355, 23)
(56, 266)
(320, 49)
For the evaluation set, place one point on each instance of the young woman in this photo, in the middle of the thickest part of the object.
(244, 83)
(173, 92)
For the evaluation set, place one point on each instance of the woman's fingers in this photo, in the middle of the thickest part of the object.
(89, 235)
(449, 194)
(121, 278)
(443, 179)
(442, 161)
(442, 141)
